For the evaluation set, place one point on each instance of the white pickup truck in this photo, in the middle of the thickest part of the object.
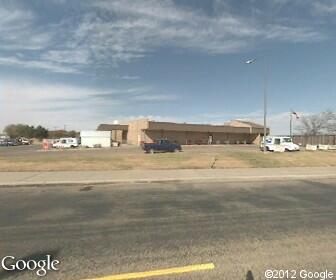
(278, 143)
(64, 143)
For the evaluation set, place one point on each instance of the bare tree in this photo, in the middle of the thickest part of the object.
(323, 123)
(331, 122)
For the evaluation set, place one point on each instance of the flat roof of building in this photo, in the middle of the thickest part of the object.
(169, 126)
(235, 126)
(110, 127)
(243, 123)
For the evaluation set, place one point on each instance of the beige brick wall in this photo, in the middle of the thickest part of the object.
(187, 137)
(257, 139)
(136, 131)
(145, 131)
(196, 127)
(116, 135)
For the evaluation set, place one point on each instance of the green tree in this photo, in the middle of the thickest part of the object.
(23, 130)
(11, 130)
(73, 133)
(63, 133)
(40, 132)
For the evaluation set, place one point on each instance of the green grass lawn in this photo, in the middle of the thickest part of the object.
(219, 158)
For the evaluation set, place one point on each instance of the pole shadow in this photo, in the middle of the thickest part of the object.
(249, 275)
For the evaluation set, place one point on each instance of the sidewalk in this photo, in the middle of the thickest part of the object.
(132, 176)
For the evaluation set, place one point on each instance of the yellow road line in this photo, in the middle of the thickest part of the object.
(160, 272)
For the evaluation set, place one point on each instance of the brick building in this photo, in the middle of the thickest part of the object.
(144, 130)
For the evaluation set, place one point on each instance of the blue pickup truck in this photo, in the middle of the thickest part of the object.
(161, 145)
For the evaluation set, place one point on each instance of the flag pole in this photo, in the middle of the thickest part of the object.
(290, 123)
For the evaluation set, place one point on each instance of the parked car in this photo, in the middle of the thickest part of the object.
(23, 141)
(12, 142)
(66, 143)
(273, 142)
(161, 145)
(3, 142)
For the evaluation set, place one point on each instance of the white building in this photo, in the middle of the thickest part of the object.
(93, 138)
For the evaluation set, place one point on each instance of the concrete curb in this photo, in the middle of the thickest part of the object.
(242, 178)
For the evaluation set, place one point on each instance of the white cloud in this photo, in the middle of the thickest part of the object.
(111, 32)
(139, 27)
(36, 102)
(134, 94)
(125, 119)
(18, 29)
(297, 34)
(221, 117)
(33, 102)
(125, 77)
(14, 18)
(155, 97)
(53, 105)
(37, 64)
(277, 122)
(324, 7)
(80, 56)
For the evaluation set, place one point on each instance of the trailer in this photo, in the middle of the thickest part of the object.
(95, 139)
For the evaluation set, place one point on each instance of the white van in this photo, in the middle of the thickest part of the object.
(66, 143)
(275, 143)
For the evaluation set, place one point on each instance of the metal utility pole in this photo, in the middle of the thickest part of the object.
(265, 105)
(292, 112)
(265, 99)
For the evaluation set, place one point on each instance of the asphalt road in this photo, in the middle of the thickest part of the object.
(243, 228)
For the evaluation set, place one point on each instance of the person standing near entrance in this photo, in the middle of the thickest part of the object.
(210, 140)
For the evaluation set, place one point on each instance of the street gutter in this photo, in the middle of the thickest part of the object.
(21, 179)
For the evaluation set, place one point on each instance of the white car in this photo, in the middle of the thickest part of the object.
(24, 141)
(276, 143)
(66, 143)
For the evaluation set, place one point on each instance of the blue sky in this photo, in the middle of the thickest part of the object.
(81, 63)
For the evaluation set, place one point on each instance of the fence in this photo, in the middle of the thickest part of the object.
(314, 139)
